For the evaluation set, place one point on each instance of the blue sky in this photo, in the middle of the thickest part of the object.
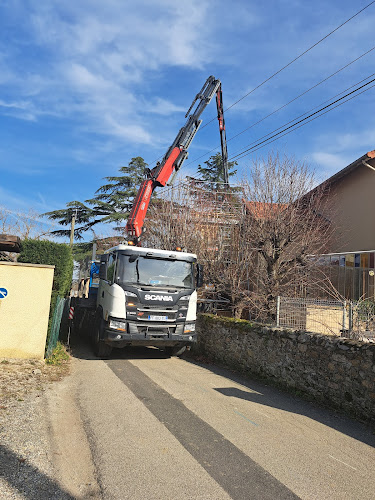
(87, 85)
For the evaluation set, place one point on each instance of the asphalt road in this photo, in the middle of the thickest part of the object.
(170, 428)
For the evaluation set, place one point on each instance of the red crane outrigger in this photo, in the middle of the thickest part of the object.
(177, 154)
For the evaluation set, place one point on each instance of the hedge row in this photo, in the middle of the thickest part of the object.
(53, 254)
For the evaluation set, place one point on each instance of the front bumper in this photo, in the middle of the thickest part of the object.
(157, 335)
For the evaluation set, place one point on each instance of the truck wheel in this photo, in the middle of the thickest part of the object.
(175, 350)
(101, 350)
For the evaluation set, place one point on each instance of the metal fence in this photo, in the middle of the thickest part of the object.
(329, 317)
(54, 332)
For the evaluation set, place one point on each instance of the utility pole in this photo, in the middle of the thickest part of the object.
(74, 215)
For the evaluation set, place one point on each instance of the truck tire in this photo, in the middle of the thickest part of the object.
(101, 350)
(176, 350)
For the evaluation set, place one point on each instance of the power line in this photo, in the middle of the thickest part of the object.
(290, 102)
(293, 61)
(279, 71)
(312, 119)
(248, 151)
(293, 127)
(306, 112)
(304, 93)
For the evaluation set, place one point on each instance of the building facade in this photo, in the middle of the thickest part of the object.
(350, 260)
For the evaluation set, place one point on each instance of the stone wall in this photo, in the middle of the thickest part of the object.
(340, 372)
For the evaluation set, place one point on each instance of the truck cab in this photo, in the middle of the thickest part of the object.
(146, 297)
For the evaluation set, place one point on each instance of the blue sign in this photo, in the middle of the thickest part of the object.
(3, 293)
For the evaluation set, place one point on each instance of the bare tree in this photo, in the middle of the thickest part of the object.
(206, 222)
(256, 242)
(21, 224)
(284, 226)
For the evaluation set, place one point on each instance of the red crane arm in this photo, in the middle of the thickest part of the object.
(175, 156)
(142, 200)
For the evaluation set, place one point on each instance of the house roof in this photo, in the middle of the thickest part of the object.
(10, 243)
(350, 168)
(262, 210)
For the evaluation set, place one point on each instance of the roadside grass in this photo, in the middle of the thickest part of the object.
(21, 377)
(59, 355)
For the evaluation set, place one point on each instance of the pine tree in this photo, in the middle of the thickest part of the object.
(213, 174)
(111, 204)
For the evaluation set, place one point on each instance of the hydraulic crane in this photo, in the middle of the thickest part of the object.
(177, 154)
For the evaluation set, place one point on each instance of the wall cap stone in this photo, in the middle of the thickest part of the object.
(24, 264)
(300, 336)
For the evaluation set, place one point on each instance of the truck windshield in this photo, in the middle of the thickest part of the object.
(154, 272)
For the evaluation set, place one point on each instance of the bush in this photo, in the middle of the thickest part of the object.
(52, 254)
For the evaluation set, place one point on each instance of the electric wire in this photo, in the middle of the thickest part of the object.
(248, 151)
(281, 69)
(306, 112)
(292, 61)
(312, 119)
(275, 74)
(288, 103)
(301, 123)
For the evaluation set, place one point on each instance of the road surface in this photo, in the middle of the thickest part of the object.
(170, 428)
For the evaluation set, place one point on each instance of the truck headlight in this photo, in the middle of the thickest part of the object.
(117, 325)
(185, 298)
(129, 294)
(189, 327)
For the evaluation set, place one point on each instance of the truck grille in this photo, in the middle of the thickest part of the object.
(145, 311)
(160, 330)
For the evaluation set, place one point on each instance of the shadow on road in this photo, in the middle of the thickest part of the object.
(81, 348)
(268, 395)
(29, 481)
(258, 391)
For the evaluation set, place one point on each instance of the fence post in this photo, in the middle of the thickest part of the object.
(350, 316)
(344, 317)
(278, 311)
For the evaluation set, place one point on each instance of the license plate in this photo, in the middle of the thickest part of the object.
(158, 318)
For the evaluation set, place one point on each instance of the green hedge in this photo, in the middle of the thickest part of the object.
(52, 254)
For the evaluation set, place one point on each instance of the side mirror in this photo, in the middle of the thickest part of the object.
(103, 266)
(199, 278)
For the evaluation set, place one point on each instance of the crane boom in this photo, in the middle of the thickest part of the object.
(177, 154)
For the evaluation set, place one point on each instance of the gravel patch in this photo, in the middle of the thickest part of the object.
(26, 454)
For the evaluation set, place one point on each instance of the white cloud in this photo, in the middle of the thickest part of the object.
(164, 107)
(336, 151)
(363, 139)
(132, 132)
(95, 56)
(24, 110)
(98, 62)
(13, 202)
(328, 163)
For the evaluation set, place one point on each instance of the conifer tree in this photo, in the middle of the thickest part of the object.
(213, 173)
(111, 204)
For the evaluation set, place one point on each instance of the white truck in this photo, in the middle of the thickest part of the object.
(148, 296)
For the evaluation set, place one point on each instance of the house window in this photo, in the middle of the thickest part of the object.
(364, 260)
(350, 260)
(342, 260)
(357, 260)
(334, 260)
(372, 260)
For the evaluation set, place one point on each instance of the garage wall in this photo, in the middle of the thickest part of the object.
(25, 295)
